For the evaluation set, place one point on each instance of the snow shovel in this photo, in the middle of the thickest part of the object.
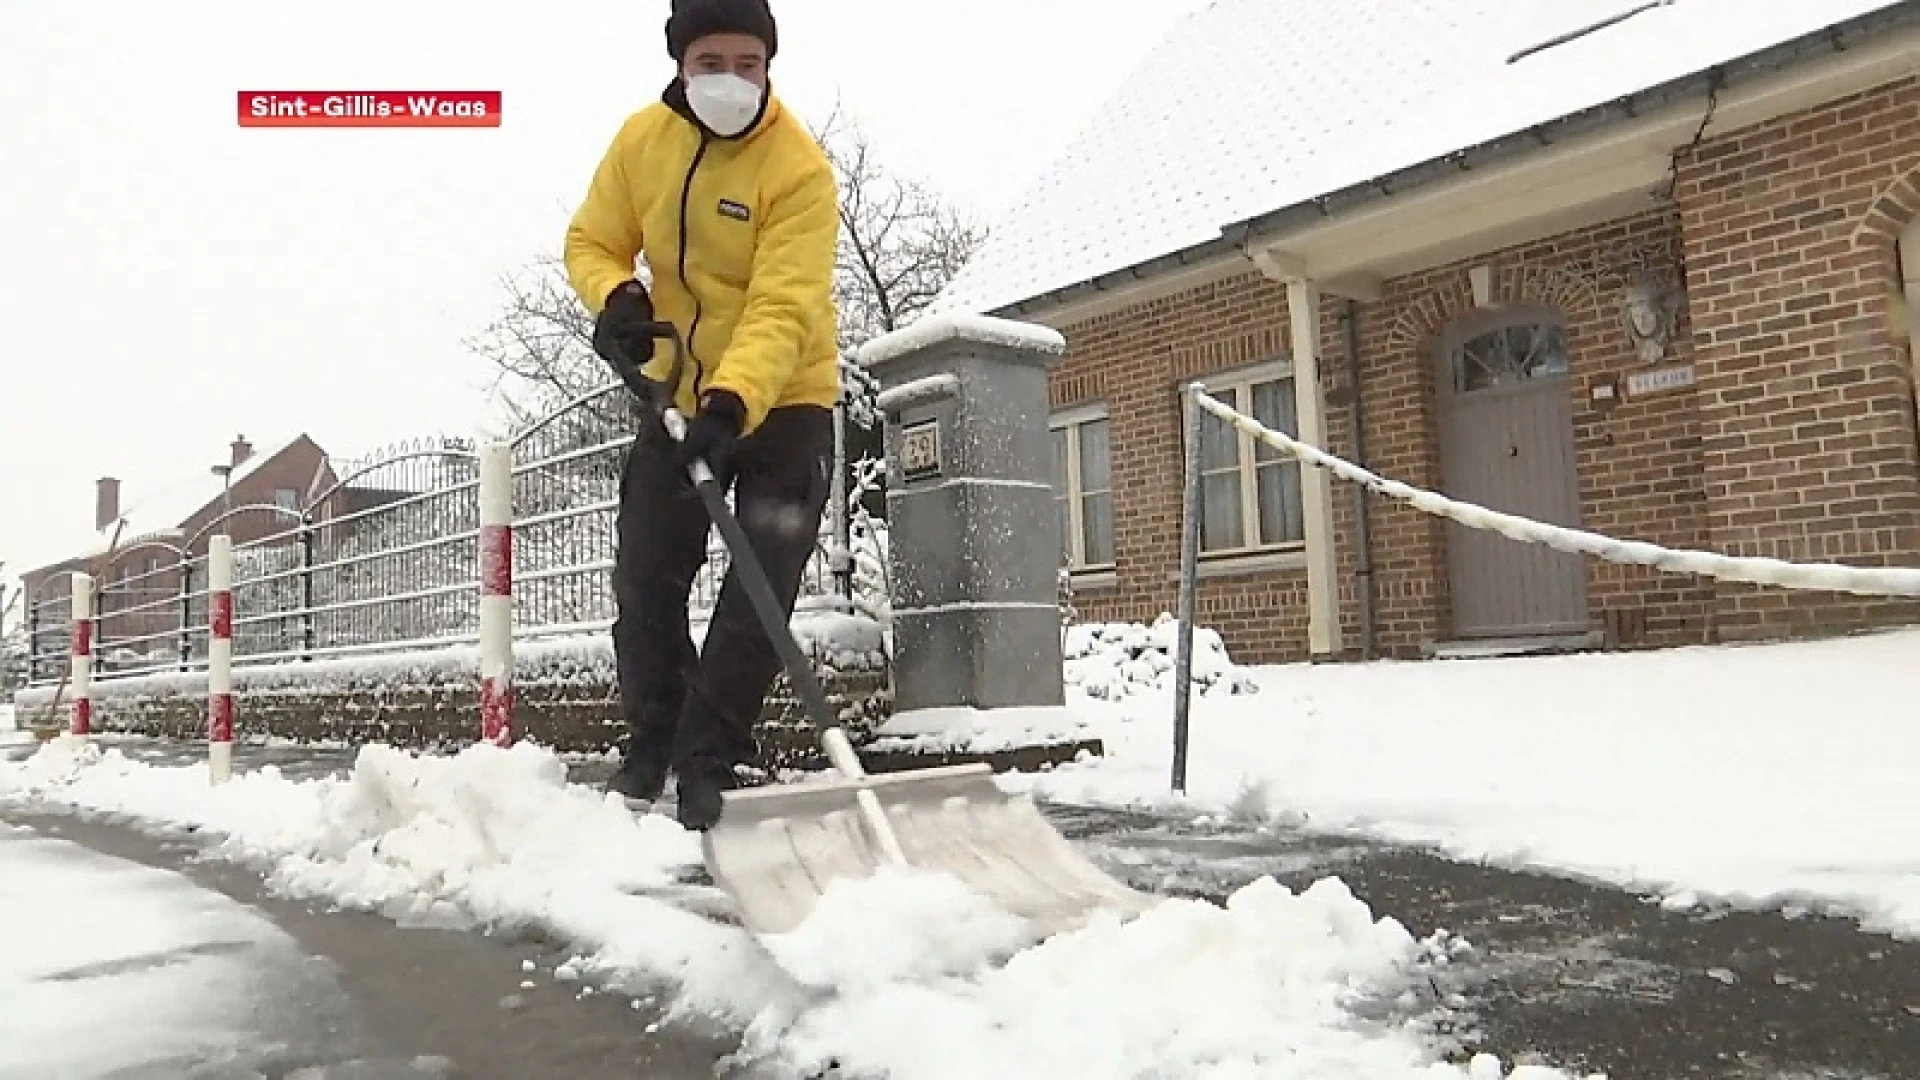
(777, 849)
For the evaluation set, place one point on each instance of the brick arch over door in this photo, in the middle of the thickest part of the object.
(1890, 230)
(1422, 322)
(1897, 205)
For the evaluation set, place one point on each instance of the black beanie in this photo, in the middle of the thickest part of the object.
(694, 19)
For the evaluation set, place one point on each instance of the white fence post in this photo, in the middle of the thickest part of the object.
(496, 593)
(220, 657)
(82, 671)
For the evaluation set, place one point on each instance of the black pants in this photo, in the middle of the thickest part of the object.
(684, 708)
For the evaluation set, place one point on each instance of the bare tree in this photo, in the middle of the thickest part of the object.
(901, 242)
(540, 344)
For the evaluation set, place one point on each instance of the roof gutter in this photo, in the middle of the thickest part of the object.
(1231, 245)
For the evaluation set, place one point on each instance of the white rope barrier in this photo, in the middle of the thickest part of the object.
(1830, 577)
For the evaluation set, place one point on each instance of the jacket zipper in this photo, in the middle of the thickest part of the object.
(686, 195)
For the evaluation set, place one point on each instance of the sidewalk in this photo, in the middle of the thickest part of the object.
(1590, 977)
(367, 999)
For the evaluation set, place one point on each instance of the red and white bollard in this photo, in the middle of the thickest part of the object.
(220, 657)
(82, 671)
(496, 594)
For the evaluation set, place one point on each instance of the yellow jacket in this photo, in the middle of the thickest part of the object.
(751, 288)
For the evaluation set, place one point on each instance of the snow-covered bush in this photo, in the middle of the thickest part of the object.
(1111, 661)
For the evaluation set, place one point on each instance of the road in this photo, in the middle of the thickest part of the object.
(1590, 977)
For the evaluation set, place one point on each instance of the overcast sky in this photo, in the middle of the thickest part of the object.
(169, 280)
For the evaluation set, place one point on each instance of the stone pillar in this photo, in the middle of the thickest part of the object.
(975, 537)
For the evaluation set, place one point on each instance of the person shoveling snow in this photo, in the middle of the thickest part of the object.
(760, 389)
(727, 195)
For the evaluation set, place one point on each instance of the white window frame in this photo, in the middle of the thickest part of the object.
(1070, 421)
(1235, 389)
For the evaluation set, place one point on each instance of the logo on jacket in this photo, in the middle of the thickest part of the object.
(735, 210)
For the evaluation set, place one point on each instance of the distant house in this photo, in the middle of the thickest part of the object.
(1636, 267)
(135, 551)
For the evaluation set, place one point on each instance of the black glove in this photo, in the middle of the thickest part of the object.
(623, 334)
(712, 432)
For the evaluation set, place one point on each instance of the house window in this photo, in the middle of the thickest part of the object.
(1250, 492)
(1515, 353)
(1083, 488)
(286, 498)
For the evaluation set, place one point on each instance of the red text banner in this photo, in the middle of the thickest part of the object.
(370, 108)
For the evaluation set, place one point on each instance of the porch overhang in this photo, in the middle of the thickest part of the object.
(1618, 165)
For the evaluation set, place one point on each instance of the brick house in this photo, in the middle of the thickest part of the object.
(256, 496)
(1642, 269)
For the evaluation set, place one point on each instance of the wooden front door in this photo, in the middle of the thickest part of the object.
(1506, 443)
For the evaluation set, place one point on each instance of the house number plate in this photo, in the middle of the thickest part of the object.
(1661, 381)
(920, 450)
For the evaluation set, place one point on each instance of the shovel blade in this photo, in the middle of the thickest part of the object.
(777, 849)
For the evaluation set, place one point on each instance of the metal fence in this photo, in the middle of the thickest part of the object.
(385, 560)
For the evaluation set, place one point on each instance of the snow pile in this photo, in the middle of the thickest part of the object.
(452, 840)
(980, 731)
(979, 329)
(866, 936)
(1114, 661)
(1769, 777)
(1263, 987)
(896, 976)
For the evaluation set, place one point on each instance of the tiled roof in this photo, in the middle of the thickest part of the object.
(1252, 106)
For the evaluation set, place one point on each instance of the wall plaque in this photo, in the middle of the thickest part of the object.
(1660, 380)
(920, 457)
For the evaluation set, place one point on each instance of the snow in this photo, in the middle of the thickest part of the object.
(1111, 661)
(916, 392)
(1190, 147)
(935, 329)
(1769, 777)
(1261, 987)
(1269, 985)
(962, 728)
(840, 641)
(111, 968)
(1772, 777)
(870, 935)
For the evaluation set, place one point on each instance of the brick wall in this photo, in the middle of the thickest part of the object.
(1784, 237)
(1134, 361)
(1638, 458)
(1807, 408)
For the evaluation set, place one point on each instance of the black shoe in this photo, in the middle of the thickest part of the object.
(702, 786)
(639, 780)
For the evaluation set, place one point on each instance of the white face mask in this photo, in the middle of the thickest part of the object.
(726, 103)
